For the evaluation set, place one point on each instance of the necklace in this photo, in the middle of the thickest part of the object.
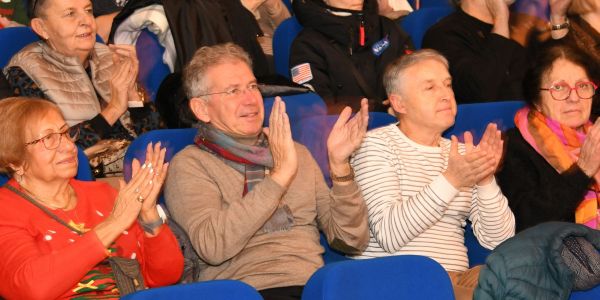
(37, 198)
(72, 223)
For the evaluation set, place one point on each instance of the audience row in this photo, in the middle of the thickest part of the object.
(251, 201)
(400, 189)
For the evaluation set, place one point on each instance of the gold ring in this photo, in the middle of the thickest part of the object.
(140, 199)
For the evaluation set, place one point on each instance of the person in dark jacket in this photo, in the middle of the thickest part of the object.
(343, 50)
(551, 163)
(485, 64)
(544, 262)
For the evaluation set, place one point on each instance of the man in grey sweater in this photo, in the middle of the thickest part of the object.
(251, 200)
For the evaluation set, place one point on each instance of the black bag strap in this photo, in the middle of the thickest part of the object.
(44, 209)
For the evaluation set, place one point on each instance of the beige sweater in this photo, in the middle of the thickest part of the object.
(204, 196)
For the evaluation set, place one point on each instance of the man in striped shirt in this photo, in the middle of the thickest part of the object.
(421, 188)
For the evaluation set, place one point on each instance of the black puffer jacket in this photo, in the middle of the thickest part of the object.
(330, 42)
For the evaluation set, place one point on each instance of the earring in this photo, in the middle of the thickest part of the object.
(19, 176)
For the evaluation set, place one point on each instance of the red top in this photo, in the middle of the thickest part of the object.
(42, 259)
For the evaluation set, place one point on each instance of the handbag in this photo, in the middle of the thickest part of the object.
(106, 157)
(127, 274)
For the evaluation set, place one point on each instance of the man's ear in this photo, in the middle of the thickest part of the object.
(38, 26)
(199, 107)
(397, 103)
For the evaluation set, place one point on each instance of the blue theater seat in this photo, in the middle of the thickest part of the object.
(214, 290)
(152, 70)
(283, 37)
(476, 253)
(298, 107)
(474, 117)
(313, 132)
(417, 22)
(592, 294)
(394, 277)
(172, 139)
(13, 39)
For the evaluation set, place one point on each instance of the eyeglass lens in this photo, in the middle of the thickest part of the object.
(52, 141)
(562, 91)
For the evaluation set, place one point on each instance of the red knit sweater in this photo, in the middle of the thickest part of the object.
(42, 259)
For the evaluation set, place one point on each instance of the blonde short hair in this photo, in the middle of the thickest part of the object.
(16, 114)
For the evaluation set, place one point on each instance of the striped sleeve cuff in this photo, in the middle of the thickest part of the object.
(443, 189)
(488, 191)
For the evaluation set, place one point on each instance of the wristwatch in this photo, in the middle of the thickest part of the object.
(150, 227)
(344, 178)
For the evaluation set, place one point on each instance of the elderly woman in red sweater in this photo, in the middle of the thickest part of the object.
(60, 236)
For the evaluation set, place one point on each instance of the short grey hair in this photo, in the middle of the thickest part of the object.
(394, 72)
(194, 74)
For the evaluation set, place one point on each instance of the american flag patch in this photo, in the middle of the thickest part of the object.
(301, 73)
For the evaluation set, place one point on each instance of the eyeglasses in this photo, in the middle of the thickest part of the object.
(235, 92)
(52, 140)
(560, 91)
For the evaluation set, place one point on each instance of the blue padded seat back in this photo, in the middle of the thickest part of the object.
(172, 139)
(13, 39)
(283, 37)
(84, 171)
(417, 22)
(586, 295)
(214, 290)
(298, 107)
(3, 179)
(393, 277)
(476, 253)
(474, 117)
(313, 132)
(152, 69)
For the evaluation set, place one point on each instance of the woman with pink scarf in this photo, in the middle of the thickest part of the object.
(551, 166)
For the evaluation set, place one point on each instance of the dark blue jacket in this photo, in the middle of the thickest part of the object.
(530, 266)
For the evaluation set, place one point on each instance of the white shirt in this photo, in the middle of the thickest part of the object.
(413, 209)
